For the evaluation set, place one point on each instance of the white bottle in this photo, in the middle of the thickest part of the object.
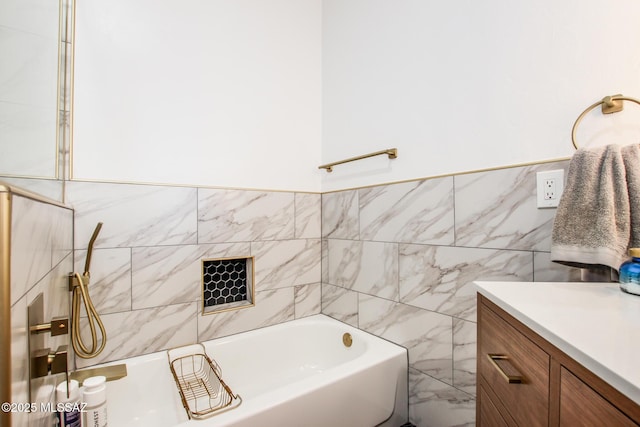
(68, 406)
(95, 396)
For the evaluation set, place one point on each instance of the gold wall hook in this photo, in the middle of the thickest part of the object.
(610, 104)
(74, 282)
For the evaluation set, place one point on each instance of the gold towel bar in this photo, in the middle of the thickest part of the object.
(610, 104)
(391, 152)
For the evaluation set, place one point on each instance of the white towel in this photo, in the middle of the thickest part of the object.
(598, 217)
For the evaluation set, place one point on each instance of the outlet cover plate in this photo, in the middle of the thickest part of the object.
(550, 185)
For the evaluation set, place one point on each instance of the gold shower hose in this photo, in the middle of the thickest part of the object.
(80, 292)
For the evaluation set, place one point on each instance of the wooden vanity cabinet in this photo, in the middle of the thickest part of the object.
(523, 380)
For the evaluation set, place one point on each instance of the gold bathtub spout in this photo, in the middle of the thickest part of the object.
(111, 373)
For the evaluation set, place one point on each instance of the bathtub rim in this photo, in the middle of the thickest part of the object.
(393, 355)
(320, 317)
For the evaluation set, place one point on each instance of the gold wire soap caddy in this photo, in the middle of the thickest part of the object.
(199, 380)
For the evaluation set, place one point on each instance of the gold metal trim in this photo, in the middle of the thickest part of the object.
(505, 368)
(64, 147)
(610, 104)
(60, 81)
(400, 181)
(7, 188)
(71, 91)
(445, 175)
(5, 302)
(391, 152)
(232, 306)
(203, 186)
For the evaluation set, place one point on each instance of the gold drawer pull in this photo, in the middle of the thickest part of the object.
(506, 369)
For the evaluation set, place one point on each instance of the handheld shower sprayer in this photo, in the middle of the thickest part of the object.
(87, 262)
(80, 292)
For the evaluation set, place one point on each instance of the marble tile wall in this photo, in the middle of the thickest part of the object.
(41, 258)
(395, 260)
(146, 266)
(399, 261)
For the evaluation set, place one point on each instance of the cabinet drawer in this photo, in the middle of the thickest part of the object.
(526, 399)
(489, 415)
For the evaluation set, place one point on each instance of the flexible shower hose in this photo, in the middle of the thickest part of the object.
(80, 292)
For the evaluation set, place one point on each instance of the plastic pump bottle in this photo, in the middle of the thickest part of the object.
(68, 407)
(95, 396)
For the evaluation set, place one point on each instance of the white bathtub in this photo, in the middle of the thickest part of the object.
(297, 373)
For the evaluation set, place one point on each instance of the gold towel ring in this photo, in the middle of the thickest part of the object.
(610, 104)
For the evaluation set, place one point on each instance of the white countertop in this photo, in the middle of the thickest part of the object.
(595, 323)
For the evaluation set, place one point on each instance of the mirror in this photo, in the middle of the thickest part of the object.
(33, 50)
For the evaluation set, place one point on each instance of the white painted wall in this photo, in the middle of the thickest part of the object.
(199, 92)
(257, 94)
(465, 85)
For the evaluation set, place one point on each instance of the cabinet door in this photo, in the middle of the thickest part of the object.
(580, 405)
(505, 352)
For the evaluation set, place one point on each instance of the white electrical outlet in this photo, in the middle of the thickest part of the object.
(549, 189)
(550, 185)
